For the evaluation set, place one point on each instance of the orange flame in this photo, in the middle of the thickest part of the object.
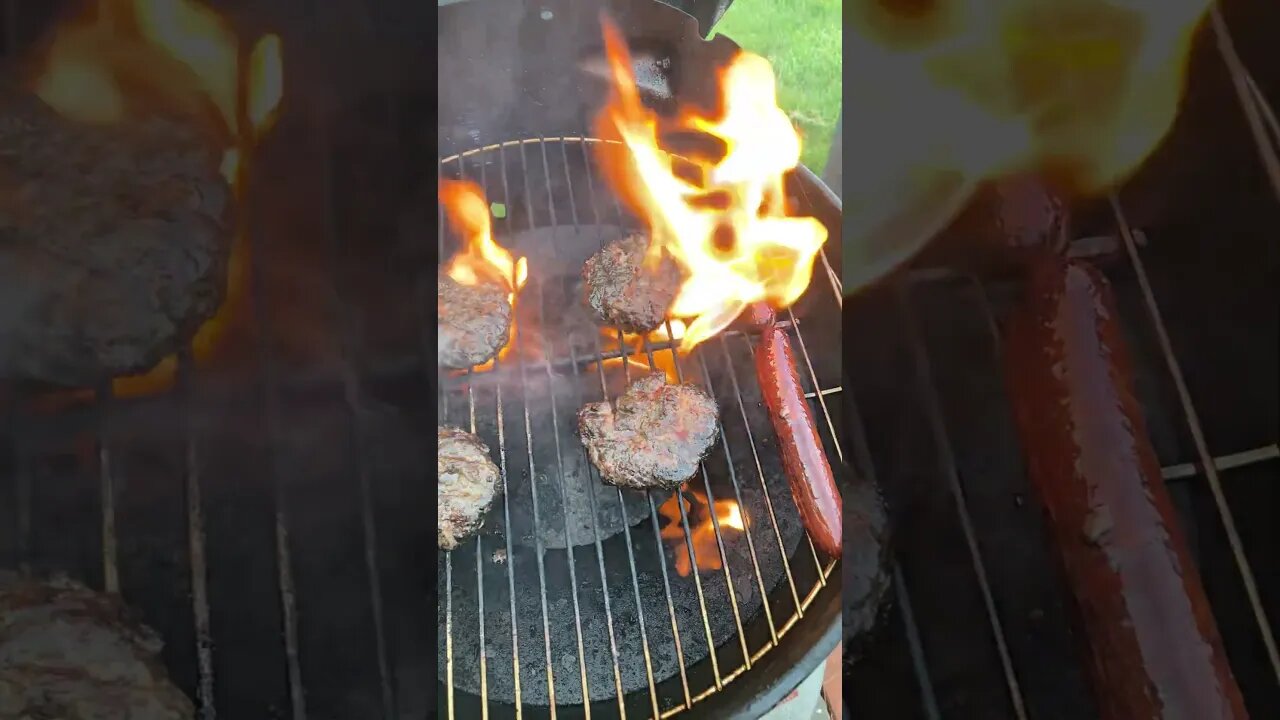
(637, 359)
(730, 231)
(181, 56)
(702, 532)
(481, 258)
(958, 93)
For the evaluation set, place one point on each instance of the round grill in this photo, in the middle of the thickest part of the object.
(579, 596)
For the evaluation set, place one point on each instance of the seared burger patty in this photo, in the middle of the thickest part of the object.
(655, 438)
(468, 485)
(68, 652)
(114, 242)
(473, 322)
(624, 292)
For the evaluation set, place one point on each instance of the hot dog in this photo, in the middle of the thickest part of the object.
(813, 485)
(1153, 647)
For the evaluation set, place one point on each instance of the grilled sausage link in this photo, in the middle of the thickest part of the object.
(1154, 648)
(813, 485)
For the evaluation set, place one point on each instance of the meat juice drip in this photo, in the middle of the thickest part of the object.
(1154, 647)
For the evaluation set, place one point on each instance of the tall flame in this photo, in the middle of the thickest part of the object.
(957, 93)
(729, 229)
(176, 55)
(481, 258)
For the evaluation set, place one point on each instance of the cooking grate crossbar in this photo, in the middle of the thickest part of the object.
(534, 159)
(1262, 121)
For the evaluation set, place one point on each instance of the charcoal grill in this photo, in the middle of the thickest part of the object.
(637, 638)
(979, 629)
(264, 512)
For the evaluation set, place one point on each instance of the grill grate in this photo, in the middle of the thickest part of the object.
(975, 297)
(556, 212)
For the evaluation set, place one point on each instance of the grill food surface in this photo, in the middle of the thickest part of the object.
(70, 653)
(655, 438)
(581, 590)
(624, 292)
(1155, 650)
(468, 484)
(115, 243)
(472, 321)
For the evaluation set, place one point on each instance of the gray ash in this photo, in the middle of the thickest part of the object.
(624, 291)
(655, 438)
(473, 322)
(468, 483)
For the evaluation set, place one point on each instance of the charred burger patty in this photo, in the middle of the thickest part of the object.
(655, 438)
(626, 293)
(114, 242)
(468, 485)
(473, 322)
(68, 652)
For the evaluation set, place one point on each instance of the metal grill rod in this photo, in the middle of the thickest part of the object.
(1256, 112)
(110, 565)
(427, 365)
(271, 401)
(764, 490)
(865, 465)
(353, 400)
(533, 485)
(506, 509)
(196, 546)
(928, 698)
(929, 396)
(573, 573)
(1223, 462)
(1206, 462)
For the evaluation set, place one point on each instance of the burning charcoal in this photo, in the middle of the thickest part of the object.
(113, 242)
(473, 322)
(625, 293)
(69, 652)
(468, 483)
(656, 437)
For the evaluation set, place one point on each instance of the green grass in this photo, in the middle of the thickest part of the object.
(801, 38)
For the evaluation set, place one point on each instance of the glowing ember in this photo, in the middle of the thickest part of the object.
(730, 231)
(176, 55)
(481, 259)
(959, 93)
(702, 531)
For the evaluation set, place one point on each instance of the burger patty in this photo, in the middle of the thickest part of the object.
(114, 242)
(656, 437)
(473, 322)
(468, 484)
(68, 652)
(624, 292)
